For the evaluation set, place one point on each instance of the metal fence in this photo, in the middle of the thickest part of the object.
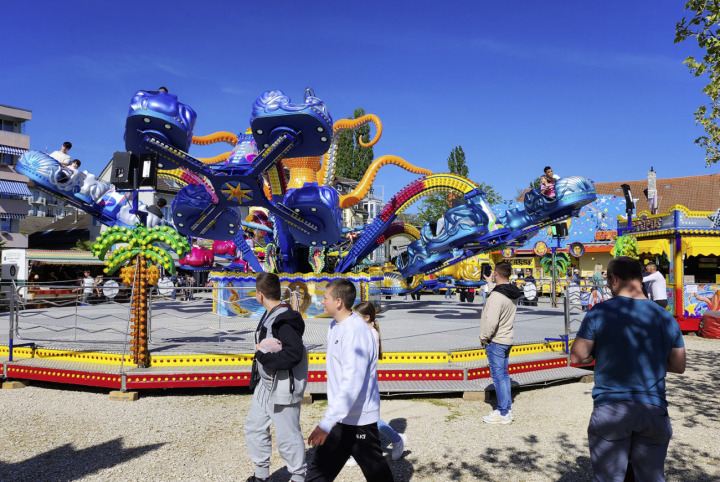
(577, 299)
(64, 316)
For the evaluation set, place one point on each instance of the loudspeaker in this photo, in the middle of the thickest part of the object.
(147, 171)
(121, 170)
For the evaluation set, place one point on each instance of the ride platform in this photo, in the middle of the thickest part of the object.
(430, 345)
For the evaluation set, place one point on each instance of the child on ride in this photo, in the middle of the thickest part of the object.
(547, 182)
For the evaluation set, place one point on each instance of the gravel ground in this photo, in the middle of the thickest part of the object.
(59, 433)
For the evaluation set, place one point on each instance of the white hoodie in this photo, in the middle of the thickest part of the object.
(351, 365)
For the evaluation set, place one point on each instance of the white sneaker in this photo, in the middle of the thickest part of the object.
(398, 447)
(351, 462)
(496, 418)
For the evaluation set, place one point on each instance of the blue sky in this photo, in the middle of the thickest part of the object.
(592, 88)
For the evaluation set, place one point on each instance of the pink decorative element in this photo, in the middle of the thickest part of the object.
(198, 257)
(224, 247)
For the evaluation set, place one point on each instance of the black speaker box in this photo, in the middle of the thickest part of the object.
(121, 170)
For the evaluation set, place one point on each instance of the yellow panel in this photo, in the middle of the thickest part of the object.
(68, 356)
(200, 360)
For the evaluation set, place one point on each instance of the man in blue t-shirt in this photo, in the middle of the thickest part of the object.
(634, 343)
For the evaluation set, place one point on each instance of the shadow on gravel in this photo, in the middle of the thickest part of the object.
(67, 463)
(500, 463)
(691, 397)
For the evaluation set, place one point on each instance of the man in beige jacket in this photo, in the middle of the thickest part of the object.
(496, 335)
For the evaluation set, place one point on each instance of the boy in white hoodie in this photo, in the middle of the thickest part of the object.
(350, 423)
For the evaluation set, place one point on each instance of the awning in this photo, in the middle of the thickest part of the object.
(14, 188)
(701, 246)
(654, 246)
(15, 151)
(61, 257)
(11, 216)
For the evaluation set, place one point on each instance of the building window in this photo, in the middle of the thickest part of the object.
(8, 126)
(6, 225)
(6, 159)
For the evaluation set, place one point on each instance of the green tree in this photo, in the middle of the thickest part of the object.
(352, 158)
(435, 205)
(456, 162)
(533, 185)
(704, 26)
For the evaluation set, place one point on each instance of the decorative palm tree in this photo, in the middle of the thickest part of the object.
(141, 253)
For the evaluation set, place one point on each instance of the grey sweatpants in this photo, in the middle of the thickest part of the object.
(289, 437)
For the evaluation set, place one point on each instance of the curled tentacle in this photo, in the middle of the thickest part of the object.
(222, 136)
(344, 124)
(327, 170)
(364, 186)
(212, 160)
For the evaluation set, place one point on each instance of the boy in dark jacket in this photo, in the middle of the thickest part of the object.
(279, 378)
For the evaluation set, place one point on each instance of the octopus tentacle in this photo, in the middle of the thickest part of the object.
(212, 160)
(363, 187)
(327, 170)
(222, 136)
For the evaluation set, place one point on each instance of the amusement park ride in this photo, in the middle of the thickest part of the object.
(301, 215)
(297, 220)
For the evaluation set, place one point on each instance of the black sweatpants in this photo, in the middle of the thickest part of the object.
(362, 442)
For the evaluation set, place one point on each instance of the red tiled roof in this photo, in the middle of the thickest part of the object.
(697, 193)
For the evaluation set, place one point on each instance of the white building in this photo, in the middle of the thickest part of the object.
(13, 186)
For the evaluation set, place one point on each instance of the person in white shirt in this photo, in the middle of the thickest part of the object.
(349, 426)
(62, 155)
(88, 284)
(655, 285)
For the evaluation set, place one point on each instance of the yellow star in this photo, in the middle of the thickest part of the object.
(237, 192)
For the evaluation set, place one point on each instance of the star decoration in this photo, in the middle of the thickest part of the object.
(237, 192)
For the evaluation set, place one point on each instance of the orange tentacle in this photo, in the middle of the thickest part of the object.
(362, 189)
(344, 124)
(222, 136)
(327, 170)
(213, 160)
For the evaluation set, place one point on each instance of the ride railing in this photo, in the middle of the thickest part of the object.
(197, 319)
(577, 299)
(68, 313)
(214, 318)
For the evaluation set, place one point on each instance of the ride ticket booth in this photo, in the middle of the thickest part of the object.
(686, 245)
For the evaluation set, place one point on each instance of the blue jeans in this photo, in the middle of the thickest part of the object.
(629, 429)
(448, 293)
(498, 359)
(388, 432)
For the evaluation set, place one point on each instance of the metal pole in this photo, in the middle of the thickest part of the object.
(566, 306)
(554, 274)
(12, 321)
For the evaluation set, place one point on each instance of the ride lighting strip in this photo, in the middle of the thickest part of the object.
(475, 373)
(64, 376)
(188, 380)
(462, 356)
(157, 361)
(67, 355)
(401, 375)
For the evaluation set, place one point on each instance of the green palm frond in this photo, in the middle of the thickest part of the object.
(139, 241)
